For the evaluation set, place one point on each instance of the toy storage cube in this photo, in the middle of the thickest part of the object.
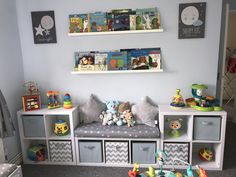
(117, 152)
(143, 152)
(33, 126)
(90, 151)
(176, 150)
(60, 151)
(207, 128)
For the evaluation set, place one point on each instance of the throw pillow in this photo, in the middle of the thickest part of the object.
(145, 112)
(92, 109)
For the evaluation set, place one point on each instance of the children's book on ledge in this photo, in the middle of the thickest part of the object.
(115, 20)
(119, 60)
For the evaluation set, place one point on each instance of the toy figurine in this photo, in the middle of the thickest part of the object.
(61, 128)
(201, 172)
(135, 171)
(161, 157)
(53, 99)
(190, 172)
(67, 103)
(151, 172)
(175, 126)
(177, 101)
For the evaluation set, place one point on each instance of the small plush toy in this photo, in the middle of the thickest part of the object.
(112, 106)
(128, 115)
(105, 117)
(123, 107)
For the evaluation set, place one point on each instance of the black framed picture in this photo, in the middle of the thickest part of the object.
(192, 20)
(44, 29)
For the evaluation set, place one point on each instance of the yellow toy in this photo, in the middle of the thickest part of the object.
(177, 101)
(151, 172)
(178, 174)
(61, 128)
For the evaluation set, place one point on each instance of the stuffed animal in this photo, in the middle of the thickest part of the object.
(108, 118)
(123, 107)
(105, 117)
(112, 106)
(128, 115)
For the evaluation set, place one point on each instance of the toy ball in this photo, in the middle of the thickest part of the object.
(206, 154)
(37, 153)
(61, 128)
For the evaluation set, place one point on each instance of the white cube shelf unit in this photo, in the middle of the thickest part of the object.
(199, 130)
(37, 127)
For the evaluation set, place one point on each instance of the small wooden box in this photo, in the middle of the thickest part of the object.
(31, 102)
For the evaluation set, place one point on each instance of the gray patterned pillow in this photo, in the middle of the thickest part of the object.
(145, 112)
(92, 109)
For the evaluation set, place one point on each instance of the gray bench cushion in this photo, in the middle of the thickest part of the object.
(6, 169)
(98, 130)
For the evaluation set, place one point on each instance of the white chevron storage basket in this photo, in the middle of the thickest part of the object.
(60, 151)
(176, 150)
(117, 152)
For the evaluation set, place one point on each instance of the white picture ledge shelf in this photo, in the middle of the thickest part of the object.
(116, 32)
(117, 72)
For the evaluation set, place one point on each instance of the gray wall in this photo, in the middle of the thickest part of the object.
(11, 68)
(184, 61)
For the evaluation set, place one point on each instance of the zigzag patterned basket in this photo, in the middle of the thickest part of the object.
(176, 150)
(117, 152)
(60, 151)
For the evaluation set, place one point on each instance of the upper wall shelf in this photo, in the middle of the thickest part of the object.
(117, 71)
(115, 32)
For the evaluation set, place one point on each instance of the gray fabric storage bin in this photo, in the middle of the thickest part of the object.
(33, 126)
(60, 151)
(90, 151)
(117, 152)
(143, 152)
(207, 128)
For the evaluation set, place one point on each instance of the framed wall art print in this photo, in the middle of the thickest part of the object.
(192, 20)
(44, 29)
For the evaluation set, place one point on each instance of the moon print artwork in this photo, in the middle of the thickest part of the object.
(192, 20)
(44, 29)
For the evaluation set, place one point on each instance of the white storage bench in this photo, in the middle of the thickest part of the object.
(116, 145)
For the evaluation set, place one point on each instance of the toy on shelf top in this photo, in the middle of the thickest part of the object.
(31, 88)
(177, 101)
(53, 99)
(200, 101)
(67, 103)
(31, 98)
